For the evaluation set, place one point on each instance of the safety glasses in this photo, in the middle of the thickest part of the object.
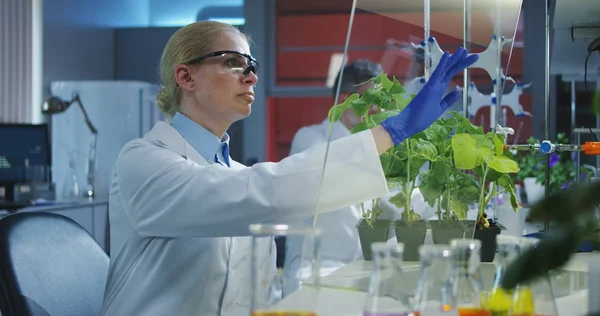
(237, 61)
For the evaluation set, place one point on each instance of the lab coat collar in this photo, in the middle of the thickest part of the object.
(205, 142)
(166, 134)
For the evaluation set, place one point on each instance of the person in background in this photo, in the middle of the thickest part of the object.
(180, 207)
(339, 242)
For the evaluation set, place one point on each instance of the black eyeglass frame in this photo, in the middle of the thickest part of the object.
(252, 66)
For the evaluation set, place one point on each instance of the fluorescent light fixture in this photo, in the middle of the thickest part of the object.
(232, 21)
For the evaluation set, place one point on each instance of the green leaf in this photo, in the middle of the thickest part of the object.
(383, 80)
(335, 113)
(391, 164)
(431, 191)
(372, 121)
(491, 176)
(466, 154)
(361, 106)
(503, 164)
(396, 87)
(394, 182)
(399, 200)
(507, 183)
(460, 208)
(423, 149)
(465, 125)
(399, 102)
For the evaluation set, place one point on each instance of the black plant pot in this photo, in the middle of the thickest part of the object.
(443, 231)
(487, 236)
(380, 232)
(411, 236)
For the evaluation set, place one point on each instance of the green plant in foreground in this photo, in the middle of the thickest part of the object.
(573, 212)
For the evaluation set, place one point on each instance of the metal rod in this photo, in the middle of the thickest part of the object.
(578, 158)
(573, 103)
(465, 96)
(499, 74)
(547, 102)
(426, 35)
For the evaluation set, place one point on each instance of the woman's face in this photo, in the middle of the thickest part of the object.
(221, 90)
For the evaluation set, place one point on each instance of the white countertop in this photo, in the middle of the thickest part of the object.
(343, 292)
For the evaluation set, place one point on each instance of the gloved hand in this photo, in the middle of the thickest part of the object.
(429, 104)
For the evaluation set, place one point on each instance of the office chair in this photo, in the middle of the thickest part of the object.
(49, 266)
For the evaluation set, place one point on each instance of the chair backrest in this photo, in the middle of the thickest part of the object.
(50, 265)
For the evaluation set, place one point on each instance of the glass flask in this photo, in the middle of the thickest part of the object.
(465, 277)
(299, 284)
(535, 298)
(434, 291)
(388, 294)
(499, 300)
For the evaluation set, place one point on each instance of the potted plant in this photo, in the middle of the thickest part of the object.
(490, 166)
(401, 165)
(447, 188)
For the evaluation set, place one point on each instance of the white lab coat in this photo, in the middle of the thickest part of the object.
(339, 242)
(179, 225)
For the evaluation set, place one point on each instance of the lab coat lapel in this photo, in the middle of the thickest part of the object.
(169, 136)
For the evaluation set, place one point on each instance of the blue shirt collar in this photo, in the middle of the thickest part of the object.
(205, 142)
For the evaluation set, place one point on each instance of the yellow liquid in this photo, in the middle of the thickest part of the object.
(498, 303)
(523, 302)
(284, 313)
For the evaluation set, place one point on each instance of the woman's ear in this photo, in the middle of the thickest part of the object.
(183, 76)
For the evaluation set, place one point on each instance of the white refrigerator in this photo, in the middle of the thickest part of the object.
(119, 110)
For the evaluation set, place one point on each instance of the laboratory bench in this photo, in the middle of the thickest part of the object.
(92, 215)
(343, 292)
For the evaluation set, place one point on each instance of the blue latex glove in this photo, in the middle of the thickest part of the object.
(429, 104)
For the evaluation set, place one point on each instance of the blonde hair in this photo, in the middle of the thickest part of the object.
(192, 41)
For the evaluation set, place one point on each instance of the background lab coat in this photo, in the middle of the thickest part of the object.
(179, 225)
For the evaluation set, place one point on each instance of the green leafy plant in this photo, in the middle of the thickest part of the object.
(484, 154)
(572, 211)
(401, 164)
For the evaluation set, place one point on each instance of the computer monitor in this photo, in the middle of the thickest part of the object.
(23, 146)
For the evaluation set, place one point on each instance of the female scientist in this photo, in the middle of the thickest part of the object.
(180, 207)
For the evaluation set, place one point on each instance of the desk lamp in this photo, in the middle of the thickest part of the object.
(54, 105)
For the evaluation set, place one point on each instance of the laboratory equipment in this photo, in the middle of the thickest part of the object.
(124, 109)
(25, 163)
(54, 105)
(536, 297)
(498, 301)
(388, 294)
(465, 277)
(434, 295)
(266, 281)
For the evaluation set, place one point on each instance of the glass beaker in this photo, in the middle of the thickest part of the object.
(465, 277)
(434, 291)
(301, 277)
(499, 300)
(388, 295)
(535, 298)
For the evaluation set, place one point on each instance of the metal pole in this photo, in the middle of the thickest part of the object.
(573, 104)
(547, 104)
(427, 51)
(466, 12)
